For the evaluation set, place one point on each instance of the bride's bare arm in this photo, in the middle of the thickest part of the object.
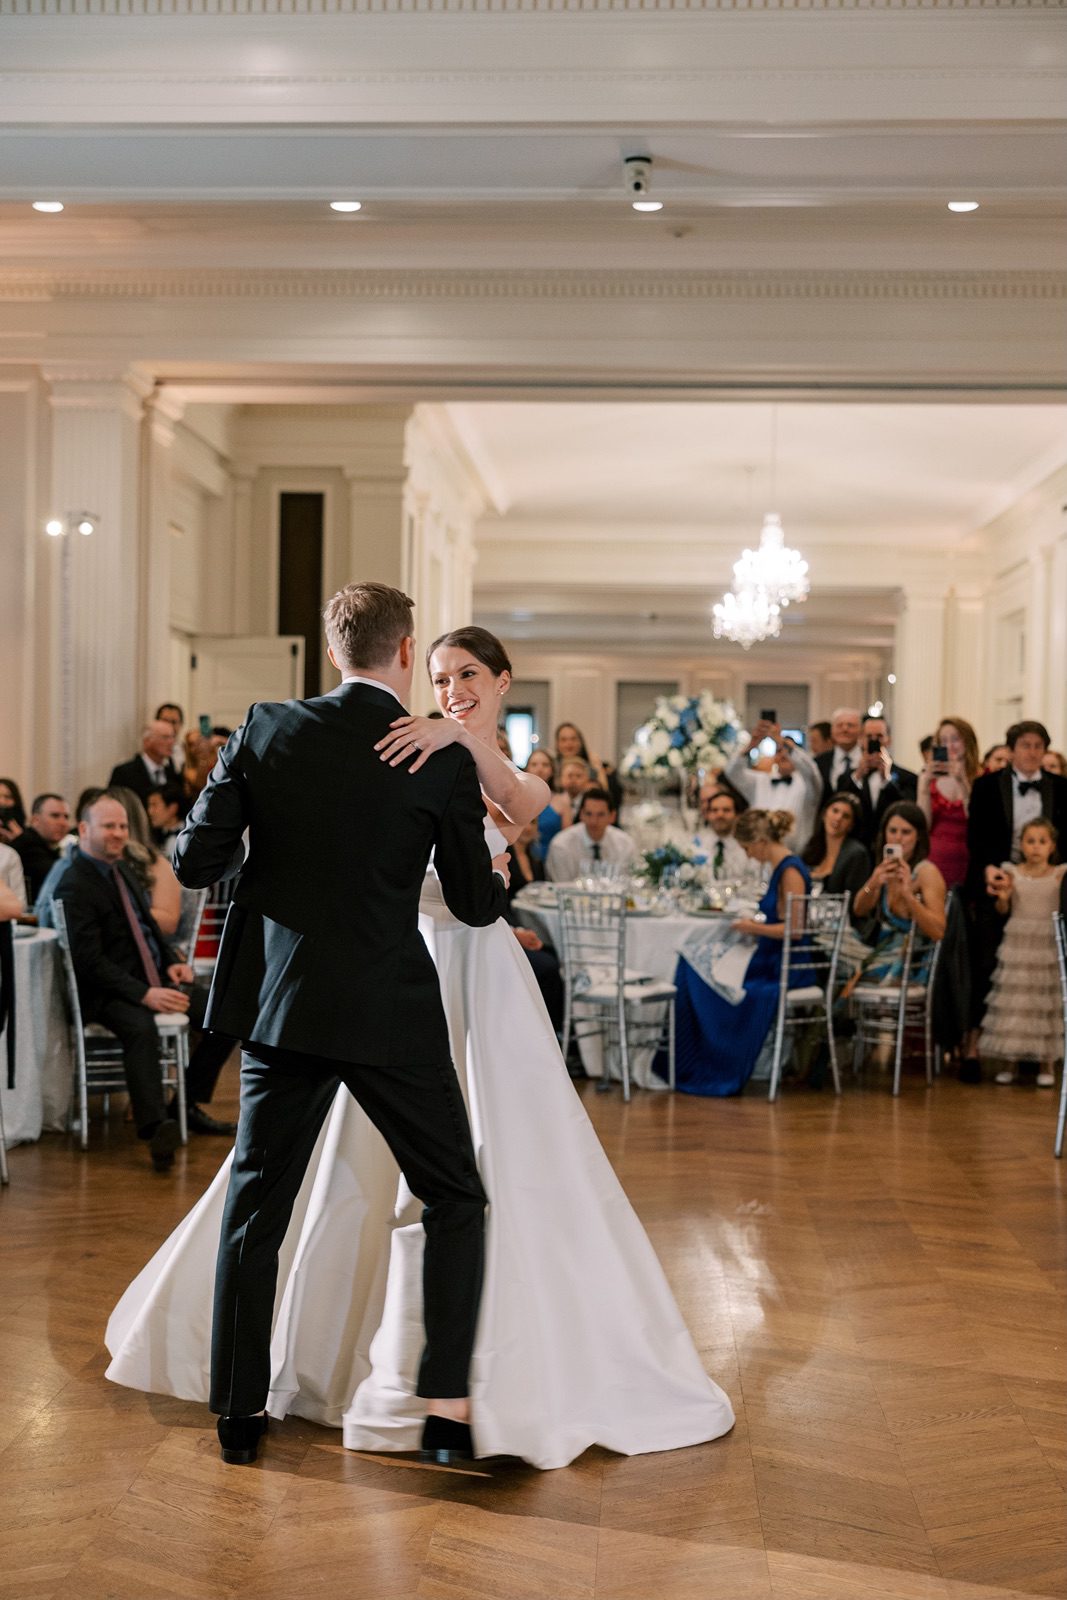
(519, 796)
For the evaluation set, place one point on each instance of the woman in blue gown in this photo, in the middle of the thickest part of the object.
(717, 1044)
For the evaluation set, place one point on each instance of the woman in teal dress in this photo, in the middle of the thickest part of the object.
(717, 1044)
(904, 887)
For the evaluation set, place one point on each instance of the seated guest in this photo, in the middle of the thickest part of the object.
(154, 766)
(559, 813)
(594, 837)
(902, 888)
(524, 865)
(11, 875)
(525, 868)
(164, 809)
(718, 1044)
(945, 795)
(150, 866)
(571, 745)
(42, 908)
(996, 758)
(169, 712)
(838, 863)
(574, 780)
(719, 812)
(10, 909)
(793, 781)
(820, 739)
(127, 972)
(38, 847)
(874, 778)
(1055, 762)
(12, 811)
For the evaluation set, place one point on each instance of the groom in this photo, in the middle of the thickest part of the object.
(323, 975)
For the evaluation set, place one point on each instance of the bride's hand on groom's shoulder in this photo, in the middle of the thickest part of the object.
(419, 737)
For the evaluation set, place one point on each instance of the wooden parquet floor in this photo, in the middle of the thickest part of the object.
(878, 1285)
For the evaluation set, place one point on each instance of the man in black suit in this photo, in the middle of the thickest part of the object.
(324, 976)
(153, 768)
(1002, 803)
(863, 766)
(127, 973)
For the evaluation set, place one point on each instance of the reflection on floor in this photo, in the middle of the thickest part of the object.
(877, 1284)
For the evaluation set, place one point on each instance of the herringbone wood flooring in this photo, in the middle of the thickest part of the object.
(877, 1284)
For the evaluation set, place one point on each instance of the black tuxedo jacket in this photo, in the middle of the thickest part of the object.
(902, 785)
(133, 774)
(106, 961)
(990, 821)
(321, 952)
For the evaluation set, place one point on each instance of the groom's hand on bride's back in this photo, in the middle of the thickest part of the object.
(502, 865)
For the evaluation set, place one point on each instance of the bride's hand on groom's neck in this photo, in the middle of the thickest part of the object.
(418, 737)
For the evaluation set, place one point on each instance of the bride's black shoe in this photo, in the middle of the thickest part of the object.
(239, 1439)
(446, 1442)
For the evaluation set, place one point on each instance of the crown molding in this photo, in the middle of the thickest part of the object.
(333, 8)
(265, 284)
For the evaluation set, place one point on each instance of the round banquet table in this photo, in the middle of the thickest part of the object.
(652, 946)
(43, 1062)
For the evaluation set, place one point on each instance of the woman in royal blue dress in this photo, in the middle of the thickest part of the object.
(718, 1043)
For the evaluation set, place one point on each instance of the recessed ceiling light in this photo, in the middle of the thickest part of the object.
(648, 205)
(346, 205)
(48, 205)
(963, 205)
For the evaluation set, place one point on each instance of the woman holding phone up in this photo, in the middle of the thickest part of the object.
(945, 794)
(905, 887)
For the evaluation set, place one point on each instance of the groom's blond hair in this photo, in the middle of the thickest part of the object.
(365, 623)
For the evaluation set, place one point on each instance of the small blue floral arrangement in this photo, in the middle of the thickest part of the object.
(681, 735)
(664, 858)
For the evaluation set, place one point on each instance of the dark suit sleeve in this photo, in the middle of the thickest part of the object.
(97, 974)
(473, 892)
(210, 847)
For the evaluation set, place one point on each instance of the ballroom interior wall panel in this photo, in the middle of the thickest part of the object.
(25, 632)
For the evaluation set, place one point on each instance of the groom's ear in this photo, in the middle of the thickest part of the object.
(333, 658)
(407, 653)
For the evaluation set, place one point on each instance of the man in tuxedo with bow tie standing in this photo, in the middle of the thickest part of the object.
(862, 764)
(1002, 803)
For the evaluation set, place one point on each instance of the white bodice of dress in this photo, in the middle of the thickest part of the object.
(432, 900)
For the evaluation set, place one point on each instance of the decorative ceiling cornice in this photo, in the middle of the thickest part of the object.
(332, 8)
(265, 283)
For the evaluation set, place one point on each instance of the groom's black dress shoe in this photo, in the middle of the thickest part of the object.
(446, 1442)
(239, 1439)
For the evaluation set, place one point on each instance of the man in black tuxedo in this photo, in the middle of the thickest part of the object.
(324, 976)
(153, 768)
(1001, 805)
(127, 972)
(862, 765)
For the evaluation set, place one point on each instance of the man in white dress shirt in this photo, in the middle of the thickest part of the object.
(793, 784)
(846, 755)
(726, 858)
(592, 837)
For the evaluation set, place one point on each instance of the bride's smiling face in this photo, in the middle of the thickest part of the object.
(466, 690)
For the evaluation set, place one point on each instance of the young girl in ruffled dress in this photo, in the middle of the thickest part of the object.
(1024, 1019)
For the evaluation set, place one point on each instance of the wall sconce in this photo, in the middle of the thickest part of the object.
(83, 522)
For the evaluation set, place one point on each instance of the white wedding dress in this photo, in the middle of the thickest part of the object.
(579, 1339)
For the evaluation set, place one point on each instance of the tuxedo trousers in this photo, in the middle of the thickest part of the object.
(419, 1111)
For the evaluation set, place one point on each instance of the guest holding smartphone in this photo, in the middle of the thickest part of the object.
(904, 888)
(945, 795)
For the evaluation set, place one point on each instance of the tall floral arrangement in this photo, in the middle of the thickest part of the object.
(681, 735)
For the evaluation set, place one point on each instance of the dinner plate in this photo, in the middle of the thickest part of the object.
(23, 932)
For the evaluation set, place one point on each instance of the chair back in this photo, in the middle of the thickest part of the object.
(593, 930)
(811, 946)
(1059, 927)
(59, 917)
(212, 921)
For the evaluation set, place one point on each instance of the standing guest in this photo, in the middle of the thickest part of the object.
(150, 866)
(169, 712)
(164, 810)
(719, 1043)
(1055, 761)
(945, 796)
(841, 760)
(154, 766)
(570, 745)
(558, 814)
(838, 863)
(996, 758)
(925, 746)
(875, 779)
(1002, 803)
(793, 781)
(593, 837)
(903, 888)
(38, 847)
(1024, 1015)
(820, 739)
(12, 811)
(127, 973)
(719, 812)
(11, 875)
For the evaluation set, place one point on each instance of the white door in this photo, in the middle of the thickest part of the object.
(227, 675)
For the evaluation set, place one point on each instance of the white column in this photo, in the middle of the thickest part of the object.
(965, 659)
(161, 415)
(26, 565)
(242, 483)
(376, 472)
(1056, 662)
(96, 466)
(919, 663)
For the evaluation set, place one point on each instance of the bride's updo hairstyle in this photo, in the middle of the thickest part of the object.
(483, 646)
(768, 827)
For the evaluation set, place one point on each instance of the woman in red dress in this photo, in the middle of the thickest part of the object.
(945, 793)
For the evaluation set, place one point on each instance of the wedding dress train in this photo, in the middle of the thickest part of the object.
(579, 1338)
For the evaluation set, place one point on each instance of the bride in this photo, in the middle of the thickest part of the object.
(579, 1339)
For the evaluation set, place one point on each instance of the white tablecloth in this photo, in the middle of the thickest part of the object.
(652, 946)
(43, 1064)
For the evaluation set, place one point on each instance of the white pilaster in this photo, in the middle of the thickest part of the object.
(919, 663)
(162, 413)
(1056, 680)
(25, 562)
(965, 658)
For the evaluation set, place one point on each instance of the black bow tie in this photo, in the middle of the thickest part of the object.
(775, 781)
(1028, 788)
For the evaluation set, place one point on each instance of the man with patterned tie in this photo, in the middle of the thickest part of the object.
(1002, 803)
(127, 973)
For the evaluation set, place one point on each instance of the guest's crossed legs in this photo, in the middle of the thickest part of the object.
(419, 1111)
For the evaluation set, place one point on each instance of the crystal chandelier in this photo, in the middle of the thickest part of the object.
(745, 616)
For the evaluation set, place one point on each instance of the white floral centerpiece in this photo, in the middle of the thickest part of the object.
(682, 734)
